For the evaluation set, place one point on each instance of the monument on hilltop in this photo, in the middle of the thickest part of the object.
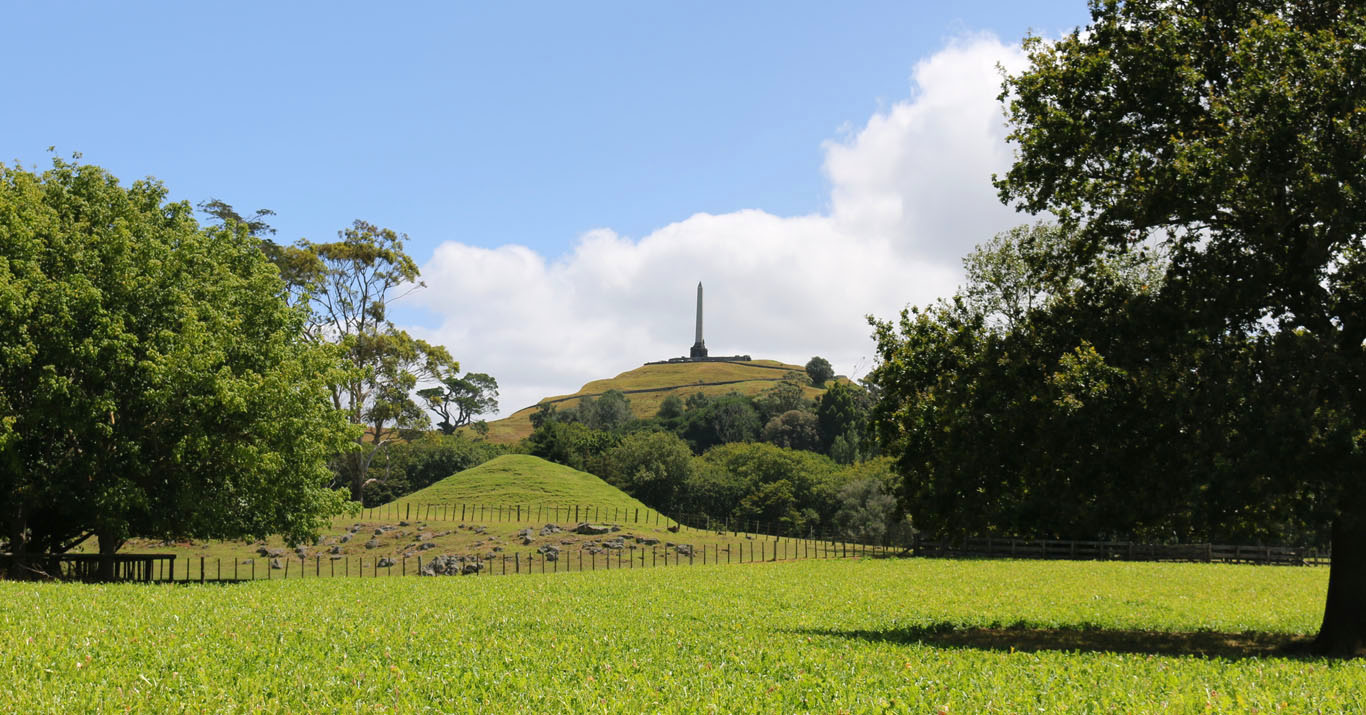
(699, 347)
(698, 353)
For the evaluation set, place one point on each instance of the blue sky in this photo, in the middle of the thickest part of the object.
(483, 126)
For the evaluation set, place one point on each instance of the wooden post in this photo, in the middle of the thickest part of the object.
(519, 512)
(286, 567)
(654, 557)
(405, 565)
(201, 569)
(517, 563)
(317, 565)
(407, 512)
(637, 519)
(253, 569)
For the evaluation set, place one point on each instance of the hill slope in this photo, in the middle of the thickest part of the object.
(647, 386)
(520, 479)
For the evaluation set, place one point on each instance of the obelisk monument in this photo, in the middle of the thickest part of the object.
(699, 348)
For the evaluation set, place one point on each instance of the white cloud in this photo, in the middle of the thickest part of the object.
(910, 195)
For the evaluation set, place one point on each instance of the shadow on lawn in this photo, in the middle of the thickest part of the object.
(1086, 639)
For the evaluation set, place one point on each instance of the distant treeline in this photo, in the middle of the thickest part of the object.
(777, 457)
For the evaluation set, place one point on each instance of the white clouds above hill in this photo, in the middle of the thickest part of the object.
(910, 195)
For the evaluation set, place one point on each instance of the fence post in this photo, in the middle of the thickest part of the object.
(517, 563)
(519, 512)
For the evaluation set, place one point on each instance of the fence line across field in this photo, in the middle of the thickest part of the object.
(213, 570)
(767, 539)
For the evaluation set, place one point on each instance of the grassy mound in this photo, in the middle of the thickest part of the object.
(648, 385)
(520, 479)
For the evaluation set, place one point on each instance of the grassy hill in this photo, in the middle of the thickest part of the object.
(520, 479)
(483, 511)
(647, 386)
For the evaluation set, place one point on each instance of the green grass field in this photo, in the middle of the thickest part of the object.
(686, 379)
(844, 636)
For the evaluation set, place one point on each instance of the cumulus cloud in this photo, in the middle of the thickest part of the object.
(910, 195)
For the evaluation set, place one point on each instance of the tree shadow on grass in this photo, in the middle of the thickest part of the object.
(1085, 639)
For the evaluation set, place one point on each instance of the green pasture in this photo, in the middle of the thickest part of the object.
(840, 636)
(684, 378)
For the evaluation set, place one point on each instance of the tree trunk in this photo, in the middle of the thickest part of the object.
(17, 567)
(1343, 632)
(109, 545)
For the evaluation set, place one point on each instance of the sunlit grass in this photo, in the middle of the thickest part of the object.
(917, 635)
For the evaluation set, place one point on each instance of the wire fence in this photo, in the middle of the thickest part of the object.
(751, 541)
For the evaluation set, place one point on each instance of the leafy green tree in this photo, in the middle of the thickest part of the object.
(794, 429)
(153, 380)
(726, 475)
(866, 511)
(650, 466)
(349, 284)
(1234, 132)
(458, 400)
(611, 410)
(996, 422)
(842, 414)
(671, 408)
(772, 506)
(572, 444)
(720, 420)
(819, 370)
(783, 397)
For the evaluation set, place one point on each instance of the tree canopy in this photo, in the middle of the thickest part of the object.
(1230, 138)
(153, 379)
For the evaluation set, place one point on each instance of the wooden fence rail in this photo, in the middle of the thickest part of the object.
(761, 543)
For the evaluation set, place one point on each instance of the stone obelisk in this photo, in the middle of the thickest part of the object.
(699, 348)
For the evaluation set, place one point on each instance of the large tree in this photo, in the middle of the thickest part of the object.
(1234, 134)
(349, 284)
(153, 379)
(458, 400)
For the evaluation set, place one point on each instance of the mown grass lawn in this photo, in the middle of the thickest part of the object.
(859, 636)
